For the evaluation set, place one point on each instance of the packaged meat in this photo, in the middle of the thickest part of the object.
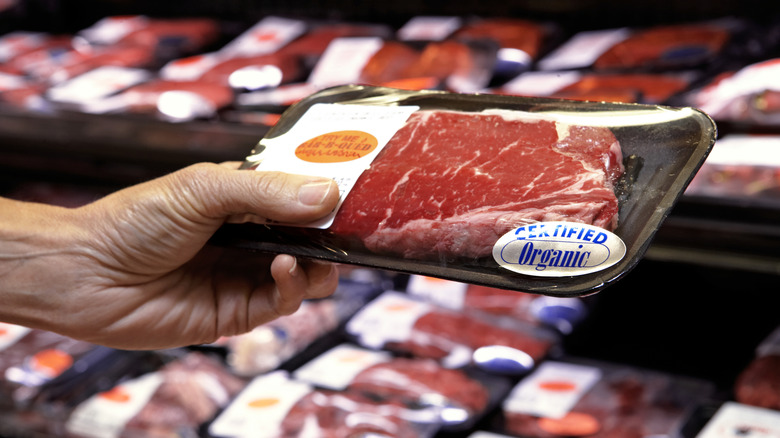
(648, 88)
(759, 383)
(666, 46)
(747, 95)
(275, 405)
(16, 43)
(734, 420)
(174, 101)
(412, 382)
(434, 199)
(255, 72)
(270, 345)
(462, 66)
(655, 48)
(31, 358)
(309, 47)
(560, 313)
(740, 167)
(173, 401)
(163, 38)
(401, 323)
(520, 42)
(596, 399)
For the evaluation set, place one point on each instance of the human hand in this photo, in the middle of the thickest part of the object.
(133, 270)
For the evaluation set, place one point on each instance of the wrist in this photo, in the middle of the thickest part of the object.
(37, 247)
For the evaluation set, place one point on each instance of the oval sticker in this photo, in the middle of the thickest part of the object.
(337, 147)
(558, 249)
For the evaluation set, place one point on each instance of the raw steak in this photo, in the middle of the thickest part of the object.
(451, 183)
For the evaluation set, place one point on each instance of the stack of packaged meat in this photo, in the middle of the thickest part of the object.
(38, 61)
(650, 65)
(596, 399)
(399, 322)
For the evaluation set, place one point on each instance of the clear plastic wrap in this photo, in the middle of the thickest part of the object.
(598, 399)
(661, 149)
(172, 401)
(398, 322)
(31, 358)
(276, 405)
(460, 398)
(758, 384)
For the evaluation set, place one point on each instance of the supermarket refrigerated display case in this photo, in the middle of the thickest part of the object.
(698, 305)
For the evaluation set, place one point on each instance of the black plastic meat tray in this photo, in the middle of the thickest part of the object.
(663, 148)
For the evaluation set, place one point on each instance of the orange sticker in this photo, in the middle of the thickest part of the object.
(116, 394)
(337, 147)
(572, 424)
(263, 402)
(51, 362)
(557, 385)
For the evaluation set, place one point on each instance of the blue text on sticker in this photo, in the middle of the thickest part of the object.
(553, 249)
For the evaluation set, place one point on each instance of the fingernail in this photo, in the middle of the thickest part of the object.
(293, 269)
(314, 193)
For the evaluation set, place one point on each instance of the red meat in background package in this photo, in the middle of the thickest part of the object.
(398, 322)
(176, 399)
(600, 400)
(759, 383)
(666, 46)
(30, 358)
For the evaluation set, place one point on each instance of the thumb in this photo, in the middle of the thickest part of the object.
(219, 192)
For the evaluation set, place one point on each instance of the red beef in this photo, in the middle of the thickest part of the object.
(328, 414)
(665, 46)
(289, 67)
(412, 379)
(759, 383)
(451, 183)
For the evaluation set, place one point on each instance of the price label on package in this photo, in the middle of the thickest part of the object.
(333, 141)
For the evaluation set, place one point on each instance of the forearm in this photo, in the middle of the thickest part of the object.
(36, 261)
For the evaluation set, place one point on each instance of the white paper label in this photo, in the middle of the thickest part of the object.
(552, 390)
(96, 84)
(337, 368)
(333, 141)
(190, 68)
(734, 420)
(557, 249)
(343, 60)
(110, 30)
(445, 293)
(389, 318)
(540, 83)
(267, 36)
(14, 43)
(258, 411)
(746, 150)
(10, 334)
(428, 28)
(105, 415)
(583, 49)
